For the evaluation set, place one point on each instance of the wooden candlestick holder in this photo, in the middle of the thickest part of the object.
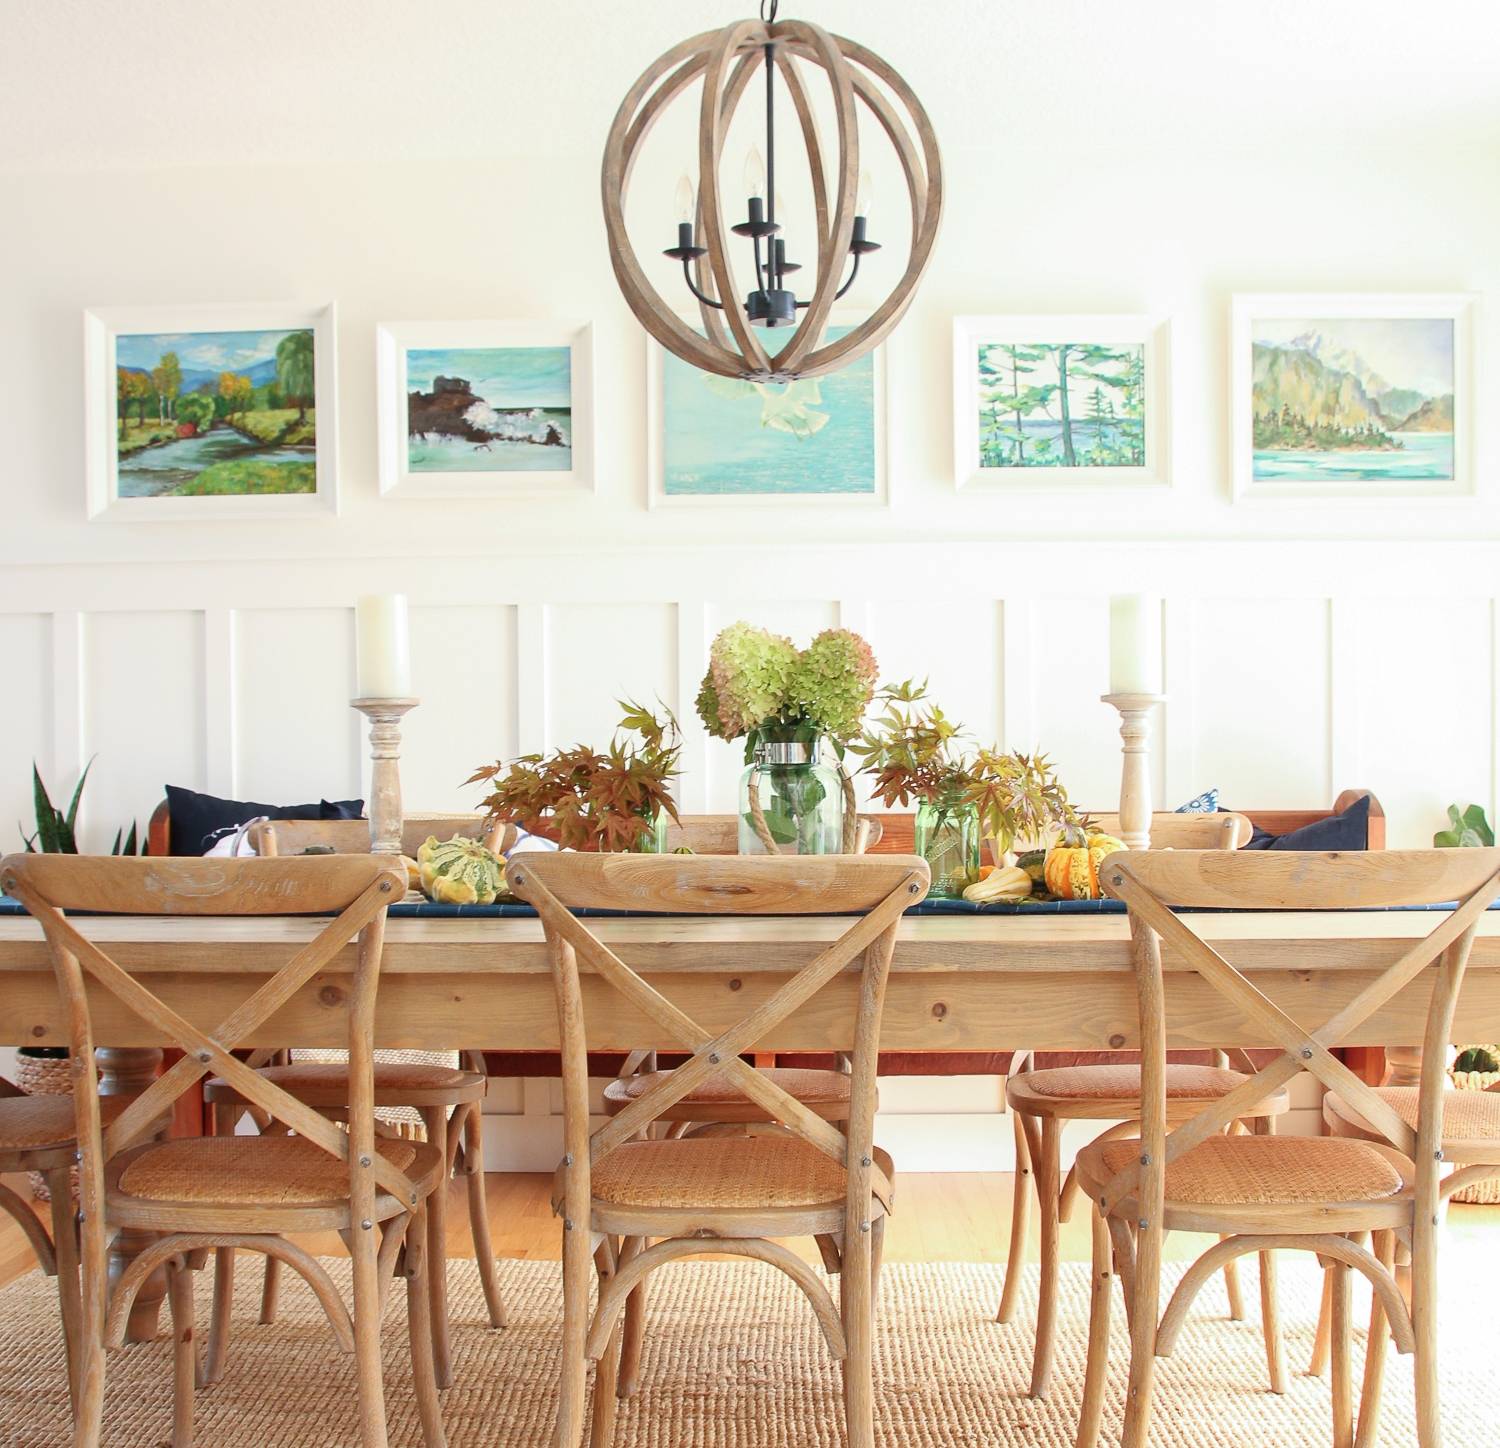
(1135, 773)
(384, 804)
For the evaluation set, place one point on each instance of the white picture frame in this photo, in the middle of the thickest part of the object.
(395, 340)
(1260, 318)
(103, 327)
(656, 449)
(972, 333)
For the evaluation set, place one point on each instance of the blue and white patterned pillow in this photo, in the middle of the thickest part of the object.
(1205, 803)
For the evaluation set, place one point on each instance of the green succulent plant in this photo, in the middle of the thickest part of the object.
(55, 830)
(1468, 830)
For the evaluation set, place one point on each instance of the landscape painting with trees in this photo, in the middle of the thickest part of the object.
(1062, 404)
(1352, 399)
(215, 414)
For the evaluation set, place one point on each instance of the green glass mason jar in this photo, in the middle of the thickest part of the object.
(790, 798)
(947, 837)
(653, 836)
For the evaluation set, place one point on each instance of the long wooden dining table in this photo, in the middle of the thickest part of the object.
(958, 982)
(968, 983)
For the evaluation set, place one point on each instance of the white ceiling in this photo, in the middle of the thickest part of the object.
(97, 83)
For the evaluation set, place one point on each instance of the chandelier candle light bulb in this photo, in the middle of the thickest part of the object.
(1135, 691)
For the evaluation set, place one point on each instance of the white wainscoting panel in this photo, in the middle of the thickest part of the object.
(463, 660)
(1068, 675)
(599, 653)
(1424, 690)
(296, 738)
(144, 720)
(26, 722)
(1257, 710)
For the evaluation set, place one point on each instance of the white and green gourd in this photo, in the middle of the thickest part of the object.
(460, 871)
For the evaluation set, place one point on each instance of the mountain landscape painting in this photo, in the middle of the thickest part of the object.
(1353, 399)
(1062, 404)
(215, 414)
(489, 409)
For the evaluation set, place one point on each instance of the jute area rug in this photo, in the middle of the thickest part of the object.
(734, 1360)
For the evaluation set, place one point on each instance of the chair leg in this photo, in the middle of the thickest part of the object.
(1098, 1360)
(1376, 1344)
(634, 1338)
(218, 1323)
(269, 1291)
(479, 1215)
(65, 1248)
(1020, 1222)
(419, 1330)
(1232, 1290)
(607, 1370)
(1270, 1323)
(1340, 1319)
(1146, 1280)
(1424, 1329)
(1318, 1364)
(1048, 1199)
(367, 1356)
(577, 1259)
(184, 1353)
(435, 1118)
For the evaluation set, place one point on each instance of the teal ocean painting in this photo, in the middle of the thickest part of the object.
(1353, 399)
(724, 437)
(489, 409)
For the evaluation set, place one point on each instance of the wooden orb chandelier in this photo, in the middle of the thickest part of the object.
(727, 61)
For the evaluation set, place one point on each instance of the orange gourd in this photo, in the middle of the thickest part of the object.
(1072, 870)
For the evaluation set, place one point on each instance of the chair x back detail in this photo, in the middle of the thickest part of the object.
(618, 1194)
(242, 1193)
(1323, 1195)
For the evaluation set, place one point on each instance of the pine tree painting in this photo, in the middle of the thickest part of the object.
(1062, 405)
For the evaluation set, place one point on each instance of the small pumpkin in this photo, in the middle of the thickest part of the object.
(459, 871)
(1072, 869)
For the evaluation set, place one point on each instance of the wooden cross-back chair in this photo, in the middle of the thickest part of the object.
(440, 1093)
(1267, 1193)
(1043, 1101)
(617, 1192)
(242, 1193)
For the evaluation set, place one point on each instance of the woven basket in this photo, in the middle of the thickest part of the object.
(1486, 1192)
(45, 1076)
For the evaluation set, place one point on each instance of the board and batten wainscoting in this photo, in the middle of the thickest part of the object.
(235, 677)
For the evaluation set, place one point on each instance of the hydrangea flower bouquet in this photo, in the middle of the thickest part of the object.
(762, 688)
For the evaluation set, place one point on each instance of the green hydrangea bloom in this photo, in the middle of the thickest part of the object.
(750, 670)
(834, 682)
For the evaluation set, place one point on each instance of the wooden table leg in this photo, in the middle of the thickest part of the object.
(127, 1071)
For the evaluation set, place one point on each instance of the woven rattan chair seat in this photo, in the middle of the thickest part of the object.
(1471, 1119)
(740, 1172)
(718, 1098)
(37, 1123)
(1259, 1171)
(1095, 1087)
(325, 1084)
(257, 1171)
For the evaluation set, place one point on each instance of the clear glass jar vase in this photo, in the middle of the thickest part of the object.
(947, 837)
(791, 802)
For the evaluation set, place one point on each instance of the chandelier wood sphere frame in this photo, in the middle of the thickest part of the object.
(726, 61)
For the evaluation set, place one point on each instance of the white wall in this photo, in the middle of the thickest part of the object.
(1142, 157)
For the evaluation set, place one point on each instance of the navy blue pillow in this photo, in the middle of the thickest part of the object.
(198, 821)
(1347, 831)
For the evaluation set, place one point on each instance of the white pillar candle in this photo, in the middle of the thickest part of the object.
(384, 647)
(1134, 644)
